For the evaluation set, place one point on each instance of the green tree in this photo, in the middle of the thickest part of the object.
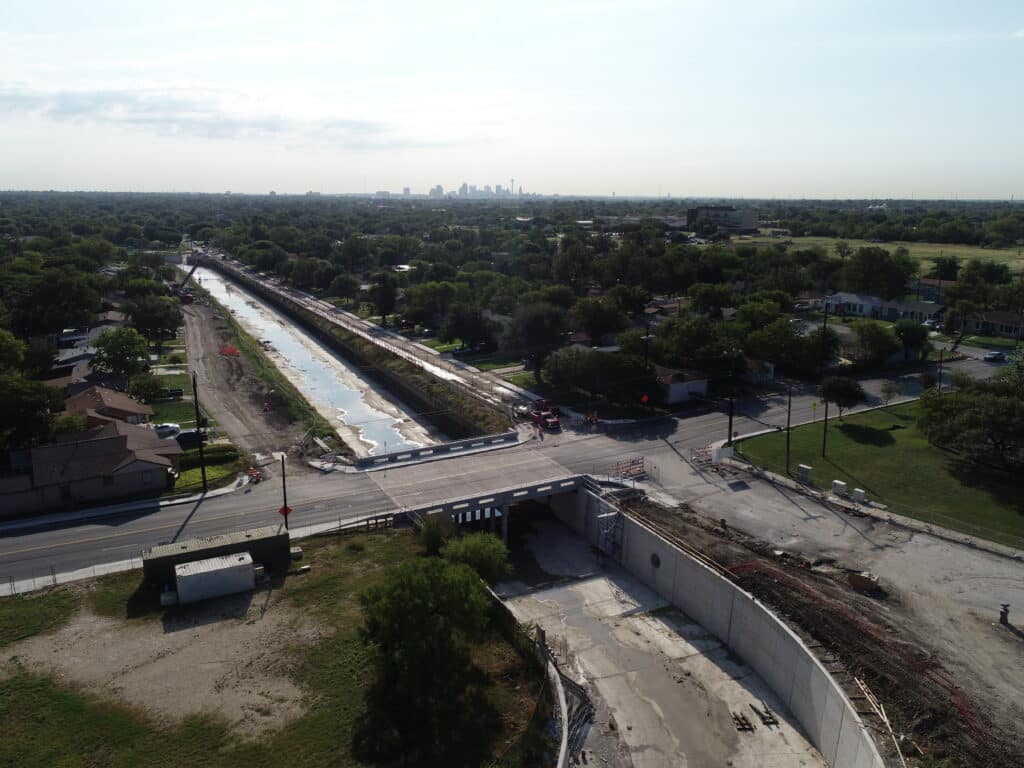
(384, 295)
(912, 335)
(875, 271)
(875, 342)
(424, 706)
(27, 410)
(484, 552)
(343, 286)
(12, 350)
(467, 323)
(891, 388)
(709, 299)
(155, 316)
(630, 299)
(537, 331)
(842, 391)
(122, 351)
(144, 386)
(598, 317)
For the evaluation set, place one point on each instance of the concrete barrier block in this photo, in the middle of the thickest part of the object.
(811, 687)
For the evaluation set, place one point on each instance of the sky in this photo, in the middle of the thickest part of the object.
(730, 98)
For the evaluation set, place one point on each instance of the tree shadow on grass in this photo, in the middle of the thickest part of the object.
(867, 435)
(1005, 487)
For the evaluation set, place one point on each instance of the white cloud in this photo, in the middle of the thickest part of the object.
(201, 114)
(1018, 35)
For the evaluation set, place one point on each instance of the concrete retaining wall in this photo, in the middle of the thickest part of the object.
(744, 625)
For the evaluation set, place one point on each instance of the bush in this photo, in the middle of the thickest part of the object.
(432, 535)
(485, 553)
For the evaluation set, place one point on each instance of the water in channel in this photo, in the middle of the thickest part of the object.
(330, 384)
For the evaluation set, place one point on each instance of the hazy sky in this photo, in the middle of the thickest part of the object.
(780, 98)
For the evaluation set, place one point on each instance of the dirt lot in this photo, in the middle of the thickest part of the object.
(221, 657)
(230, 390)
(875, 638)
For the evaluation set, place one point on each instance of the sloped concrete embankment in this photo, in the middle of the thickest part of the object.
(452, 411)
(746, 627)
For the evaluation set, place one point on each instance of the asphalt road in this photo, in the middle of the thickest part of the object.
(320, 498)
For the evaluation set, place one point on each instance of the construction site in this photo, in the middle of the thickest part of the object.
(919, 714)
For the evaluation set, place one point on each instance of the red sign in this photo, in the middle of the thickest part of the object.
(644, 399)
(285, 511)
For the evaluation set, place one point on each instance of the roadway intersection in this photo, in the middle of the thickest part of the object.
(316, 498)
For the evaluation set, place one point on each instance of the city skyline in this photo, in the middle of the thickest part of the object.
(854, 100)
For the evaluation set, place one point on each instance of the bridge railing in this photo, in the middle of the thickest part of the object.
(440, 449)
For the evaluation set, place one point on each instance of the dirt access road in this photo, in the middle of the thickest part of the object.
(229, 389)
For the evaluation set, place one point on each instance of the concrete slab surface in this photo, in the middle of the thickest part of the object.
(665, 685)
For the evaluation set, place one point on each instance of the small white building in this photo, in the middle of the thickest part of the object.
(680, 386)
(214, 577)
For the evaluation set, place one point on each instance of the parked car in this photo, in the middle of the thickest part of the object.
(190, 438)
(994, 357)
(167, 430)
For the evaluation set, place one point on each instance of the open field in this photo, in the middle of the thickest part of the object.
(884, 453)
(920, 251)
(97, 674)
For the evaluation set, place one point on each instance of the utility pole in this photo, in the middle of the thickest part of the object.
(199, 432)
(789, 415)
(942, 352)
(284, 493)
(732, 387)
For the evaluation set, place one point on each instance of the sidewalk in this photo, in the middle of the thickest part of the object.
(98, 513)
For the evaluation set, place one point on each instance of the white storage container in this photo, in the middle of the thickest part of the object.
(217, 576)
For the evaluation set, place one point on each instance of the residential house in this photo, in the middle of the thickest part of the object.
(101, 464)
(681, 386)
(100, 405)
(855, 304)
(997, 323)
(912, 310)
(863, 305)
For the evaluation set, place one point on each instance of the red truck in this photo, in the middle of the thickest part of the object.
(545, 418)
(546, 405)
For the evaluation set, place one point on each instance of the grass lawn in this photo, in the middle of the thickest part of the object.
(47, 722)
(176, 381)
(181, 412)
(524, 379)
(1000, 343)
(491, 362)
(918, 251)
(442, 346)
(217, 475)
(883, 452)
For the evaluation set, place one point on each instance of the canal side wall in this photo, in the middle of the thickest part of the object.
(456, 414)
(745, 626)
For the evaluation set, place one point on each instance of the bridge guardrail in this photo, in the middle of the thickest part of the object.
(440, 449)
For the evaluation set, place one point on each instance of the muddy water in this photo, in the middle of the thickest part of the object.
(332, 386)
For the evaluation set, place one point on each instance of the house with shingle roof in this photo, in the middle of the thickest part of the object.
(101, 464)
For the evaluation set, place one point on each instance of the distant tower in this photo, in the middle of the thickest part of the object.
(512, 186)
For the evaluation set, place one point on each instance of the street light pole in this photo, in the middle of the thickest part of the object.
(789, 414)
(941, 354)
(647, 343)
(732, 387)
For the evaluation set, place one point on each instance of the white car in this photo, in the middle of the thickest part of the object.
(167, 430)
